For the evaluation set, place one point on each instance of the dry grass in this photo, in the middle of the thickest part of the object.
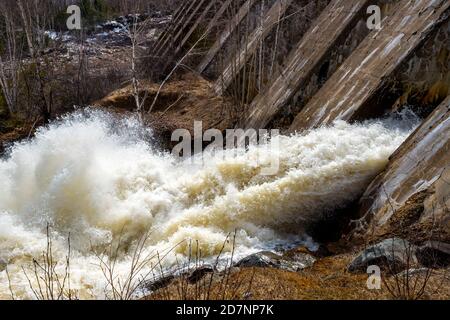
(44, 279)
(226, 285)
(180, 102)
(326, 280)
(199, 281)
(187, 98)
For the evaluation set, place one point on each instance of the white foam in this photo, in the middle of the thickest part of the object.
(95, 177)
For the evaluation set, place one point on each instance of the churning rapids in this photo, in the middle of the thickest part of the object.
(97, 178)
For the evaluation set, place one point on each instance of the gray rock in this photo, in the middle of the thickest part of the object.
(434, 254)
(392, 255)
(198, 274)
(414, 273)
(160, 283)
(266, 259)
(189, 274)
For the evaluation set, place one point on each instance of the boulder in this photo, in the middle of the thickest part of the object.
(410, 273)
(321, 251)
(392, 255)
(160, 283)
(434, 254)
(189, 274)
(199, 273)
(267, 259)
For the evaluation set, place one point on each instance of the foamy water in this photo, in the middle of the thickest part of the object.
(97, 179)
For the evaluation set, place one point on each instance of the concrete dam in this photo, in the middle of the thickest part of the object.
(359, 92)
(328, 65)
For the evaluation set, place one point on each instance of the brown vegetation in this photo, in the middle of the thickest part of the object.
(179, 103)
(328, 279)
(38, 84)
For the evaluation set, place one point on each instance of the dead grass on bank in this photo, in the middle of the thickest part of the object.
(200, 281)
(179, 103)
(326, 280)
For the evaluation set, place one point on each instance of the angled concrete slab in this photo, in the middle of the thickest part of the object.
(419, 163)
(188, 20)
(177, 23)
(237, 62)
(336, 19)
(354, 87)
(225, 35)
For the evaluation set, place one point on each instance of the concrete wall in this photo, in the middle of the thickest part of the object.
(362, 87)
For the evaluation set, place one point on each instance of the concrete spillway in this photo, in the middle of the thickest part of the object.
(225, 35)
(356, 85)
(420, 163)
(191, 18)
(237, 61)
(329, 67)
(323, 34)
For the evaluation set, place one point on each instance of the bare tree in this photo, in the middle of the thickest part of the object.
(10, 64)
(34, 19)
(136, 34)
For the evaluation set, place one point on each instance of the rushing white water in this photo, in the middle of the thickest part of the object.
(95, 178)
